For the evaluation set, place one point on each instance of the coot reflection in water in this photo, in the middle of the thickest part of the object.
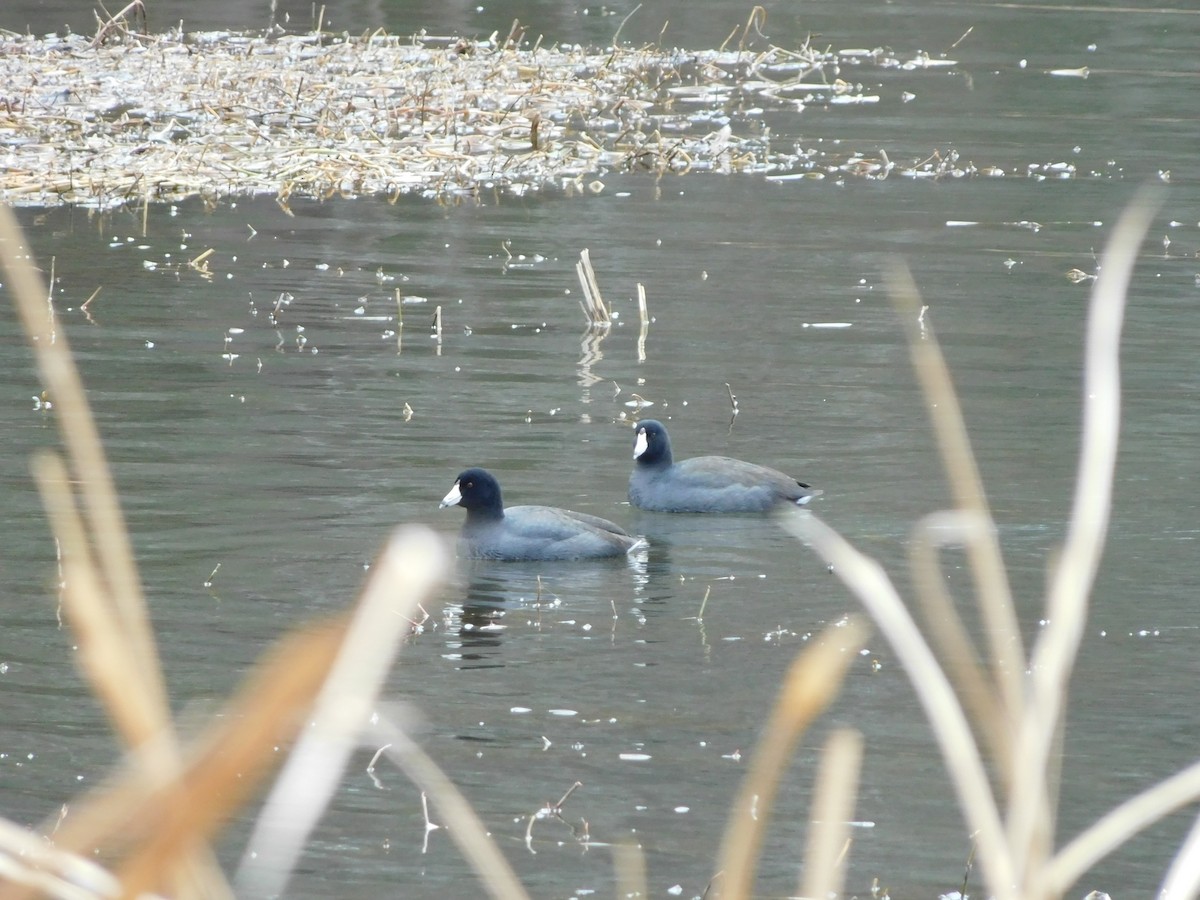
(499, 596)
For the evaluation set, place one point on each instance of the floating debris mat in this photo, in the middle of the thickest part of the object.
(220, 115)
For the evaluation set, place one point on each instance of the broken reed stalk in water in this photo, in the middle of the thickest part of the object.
(592, 304)
(1023, 720)
(644, 318)
(809, 686)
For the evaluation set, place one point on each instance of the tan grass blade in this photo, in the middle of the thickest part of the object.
(496, 876)
(987, 565)
(411, 564)
(809, 686)
(1053, 656)
(868, 581)
(110, 572)
(833, 806)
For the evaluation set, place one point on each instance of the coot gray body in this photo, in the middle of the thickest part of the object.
(529, 532)
(704, 484)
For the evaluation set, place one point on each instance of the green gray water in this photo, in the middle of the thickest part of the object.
(288, 463)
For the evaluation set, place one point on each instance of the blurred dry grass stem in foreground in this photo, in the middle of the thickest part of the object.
(1001, 719)
(102, 595)
(150, 821)
(997, 718)
(809, 686)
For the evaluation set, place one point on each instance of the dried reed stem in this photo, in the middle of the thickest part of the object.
(868, 581)
(410, 565)
(1053, 657)
(809, 687)
(462, 823)
(644, 318)
(103, 589)
(33, 863)
(629, 862)
(1116, 827)
(153, 819)
(106, 524)
(240, 747)
(958, 651)
(1183, 877)
(987, 564)
(833, 805)
(1017, 860)
(103, 648)
(592, 304)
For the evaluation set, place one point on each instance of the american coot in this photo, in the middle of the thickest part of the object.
(705, 484)
(529, 532)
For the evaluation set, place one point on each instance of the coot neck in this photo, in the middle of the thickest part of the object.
(657, 458)
(483, 514)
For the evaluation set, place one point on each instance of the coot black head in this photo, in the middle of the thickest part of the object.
(651, 445)
(478, 492)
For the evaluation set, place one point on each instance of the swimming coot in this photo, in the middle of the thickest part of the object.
(529, 532)
(704, 484)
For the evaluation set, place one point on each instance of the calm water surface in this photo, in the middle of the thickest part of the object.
(269, 436)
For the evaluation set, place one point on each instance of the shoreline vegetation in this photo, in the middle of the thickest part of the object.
(125, 118)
